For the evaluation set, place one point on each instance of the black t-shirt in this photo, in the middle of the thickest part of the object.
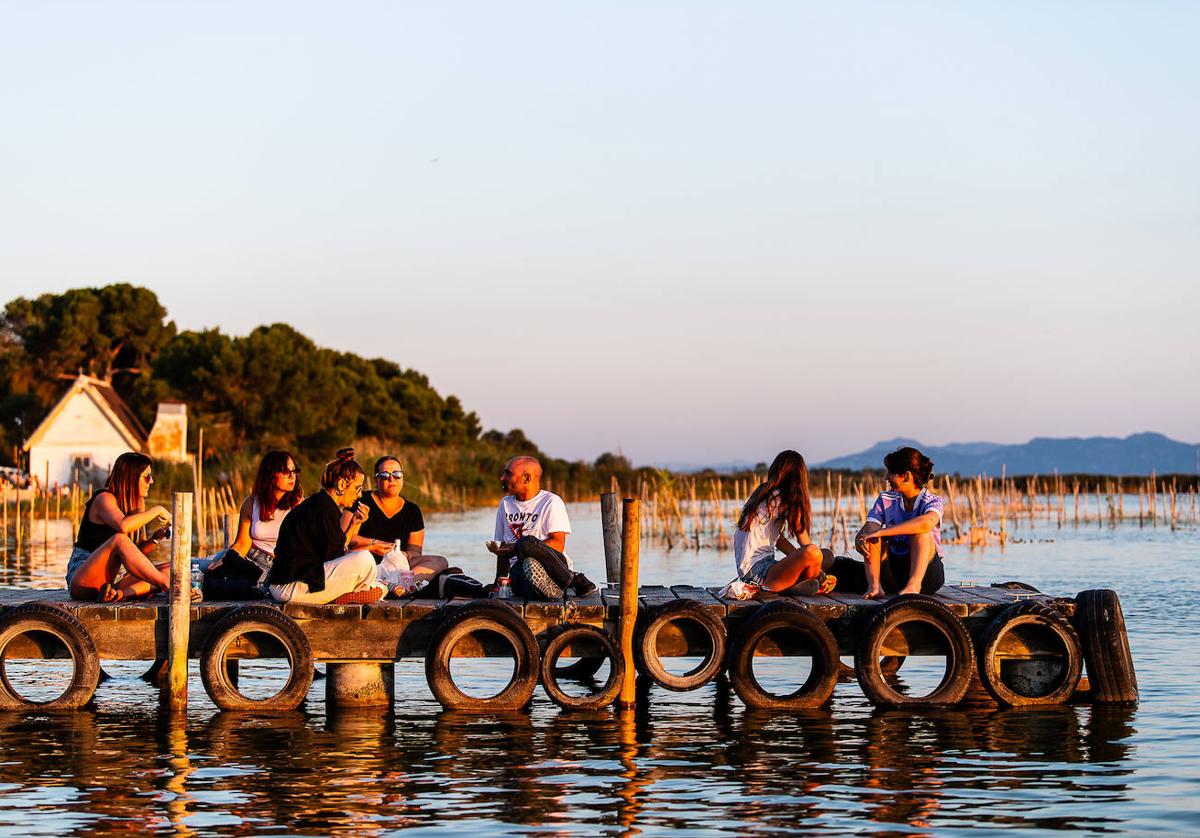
(309, 536)
(397, 528)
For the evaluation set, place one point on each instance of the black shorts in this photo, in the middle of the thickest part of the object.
(852, 575)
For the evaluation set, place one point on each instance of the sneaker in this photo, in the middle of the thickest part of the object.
(582, 586)
(363, 597)
(539, 580)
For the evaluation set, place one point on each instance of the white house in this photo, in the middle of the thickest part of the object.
(91, 426)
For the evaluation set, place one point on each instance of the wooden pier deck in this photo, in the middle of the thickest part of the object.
(394, 629)
(1019, 646)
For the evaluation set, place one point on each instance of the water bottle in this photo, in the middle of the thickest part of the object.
(407, 580)
(503, 589)
(197, 580)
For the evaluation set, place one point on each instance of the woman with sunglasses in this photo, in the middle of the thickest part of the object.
(109, 562)
(392, 519)
(241, 571)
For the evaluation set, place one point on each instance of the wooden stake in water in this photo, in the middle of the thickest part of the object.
(46, 515)
(1003, 504)
(179, 603)
(198, 489)
(17, 510)
(4, 535)
(612, 537)
(630, 558)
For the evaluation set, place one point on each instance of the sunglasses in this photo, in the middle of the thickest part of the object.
(290, 471)
(389, 475)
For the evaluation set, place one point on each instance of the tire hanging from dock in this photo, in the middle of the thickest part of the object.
(1029, 656)
(794, 628)
(63, 627)
(645, 644)
(220, 679)
(932, 614)
(577, 633)
(483, 616)
(1101, 626)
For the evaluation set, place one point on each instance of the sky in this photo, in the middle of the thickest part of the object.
(691, 232)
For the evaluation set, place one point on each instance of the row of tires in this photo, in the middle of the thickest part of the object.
(1028, 655)
(1097, 638)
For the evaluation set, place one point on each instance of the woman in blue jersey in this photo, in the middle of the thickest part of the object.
(901, 540)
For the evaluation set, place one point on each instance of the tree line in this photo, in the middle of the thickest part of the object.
(273, 387)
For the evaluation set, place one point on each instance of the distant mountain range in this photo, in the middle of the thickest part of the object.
(1135, 454)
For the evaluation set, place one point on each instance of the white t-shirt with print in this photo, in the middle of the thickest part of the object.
(539, 516)
(758, 543)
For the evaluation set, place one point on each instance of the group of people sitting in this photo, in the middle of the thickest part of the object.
(332, 546)
(337, 545)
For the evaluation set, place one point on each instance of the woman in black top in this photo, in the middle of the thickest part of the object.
(114, 517)
(312, 565)
(392, 519)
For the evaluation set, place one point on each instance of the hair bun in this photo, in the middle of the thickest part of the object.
(344, 454)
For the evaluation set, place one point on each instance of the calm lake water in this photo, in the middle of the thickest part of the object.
(694, 761)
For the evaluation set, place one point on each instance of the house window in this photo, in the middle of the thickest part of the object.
(80, 462)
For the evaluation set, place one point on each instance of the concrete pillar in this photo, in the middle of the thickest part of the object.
(360, 684)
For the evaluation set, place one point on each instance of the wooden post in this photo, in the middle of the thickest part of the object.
(17, 542)
(45, 515)
(612, 537)
(630, 544)
(198, 488)
(180, 600)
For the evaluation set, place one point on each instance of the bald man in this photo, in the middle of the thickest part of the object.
(532, 529)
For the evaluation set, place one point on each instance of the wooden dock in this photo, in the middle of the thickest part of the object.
(359, 641)
(395, 629)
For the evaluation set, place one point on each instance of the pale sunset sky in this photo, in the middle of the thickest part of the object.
(692, 231)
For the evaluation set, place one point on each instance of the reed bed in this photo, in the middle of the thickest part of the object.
(679, 512)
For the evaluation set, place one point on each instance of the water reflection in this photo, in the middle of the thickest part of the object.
(682, 767)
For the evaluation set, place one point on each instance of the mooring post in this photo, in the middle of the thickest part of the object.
(179, 607)
(631, 536)
(360, 684)
(612, 537)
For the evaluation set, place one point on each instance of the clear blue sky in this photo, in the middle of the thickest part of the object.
(692, 231)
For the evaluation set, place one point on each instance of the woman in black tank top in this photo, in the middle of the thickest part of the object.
(112, 519)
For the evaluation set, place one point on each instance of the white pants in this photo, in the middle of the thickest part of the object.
(354, 571)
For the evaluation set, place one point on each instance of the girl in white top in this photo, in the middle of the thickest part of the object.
(276, 491)
(779, 504)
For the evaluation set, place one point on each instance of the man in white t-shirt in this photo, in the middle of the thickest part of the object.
(531, 535)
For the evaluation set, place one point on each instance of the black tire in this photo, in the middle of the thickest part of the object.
(260, 619)
(582, 670)
(606, 693)
(960, 657)
(1057, 681)
(1101, 626)
(645, 645)
(784, 616)
(64, 627)
(495, 617)
(889, 665)
(1016, 586)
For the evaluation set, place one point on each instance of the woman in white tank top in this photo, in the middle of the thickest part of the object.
(276, 491)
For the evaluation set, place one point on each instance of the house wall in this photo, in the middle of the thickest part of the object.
(80, 429)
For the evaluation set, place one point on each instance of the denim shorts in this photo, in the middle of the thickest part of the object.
(758, 571)
(78, 557)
